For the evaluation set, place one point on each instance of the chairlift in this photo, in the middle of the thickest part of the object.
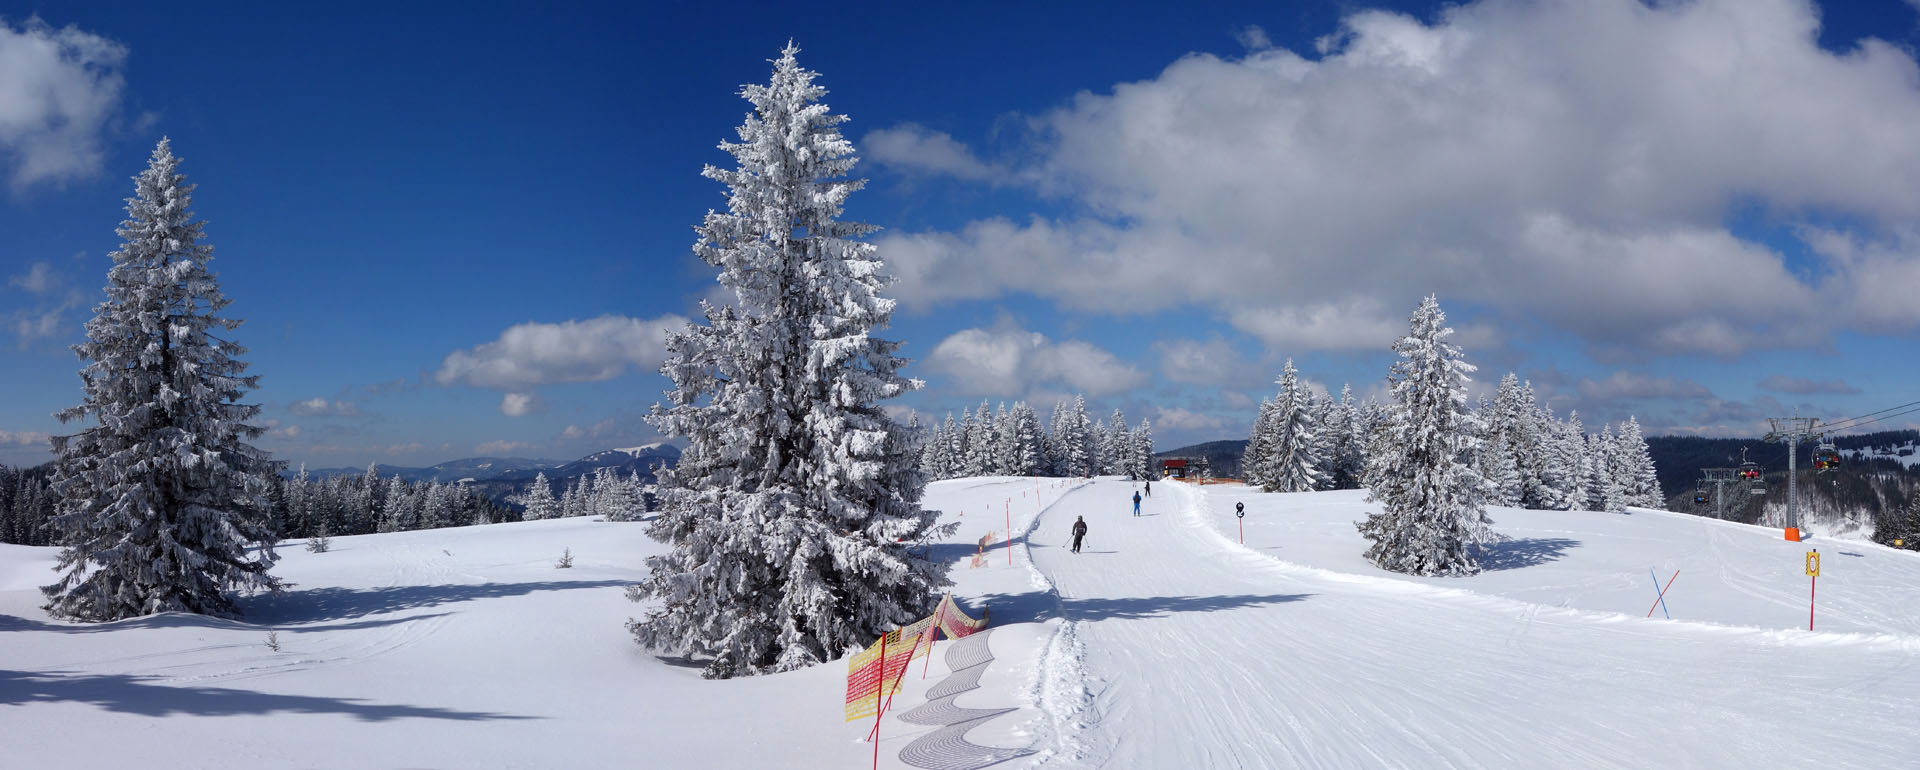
(1826, 457)
(1700, 494)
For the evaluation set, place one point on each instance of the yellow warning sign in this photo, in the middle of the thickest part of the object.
(1813, 564)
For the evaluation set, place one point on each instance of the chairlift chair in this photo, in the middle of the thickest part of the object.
(1826, 457)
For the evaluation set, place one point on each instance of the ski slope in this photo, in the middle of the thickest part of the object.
(1290, 651)
(1164, 644)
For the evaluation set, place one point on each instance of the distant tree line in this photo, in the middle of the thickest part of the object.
(25, 505)
(1010, 442)
(298, 507)
(602, 493)
(1524, 456)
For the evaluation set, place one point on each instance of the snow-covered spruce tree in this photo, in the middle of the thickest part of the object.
(1639, 479)
(979, 457)
(1023, 440)
(1348, 452)
(1143, 448)
(1112, 443)
(1567, 464)
(1432, 518)
(1603, 457)
(163, 503)
(397, 514)
(794, 513)
(538, 500)
(1254, 459)
(1075, 438)
(1897, 527)
(1293, 443)
(946, 458)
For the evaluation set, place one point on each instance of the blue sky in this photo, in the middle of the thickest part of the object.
(458, 230)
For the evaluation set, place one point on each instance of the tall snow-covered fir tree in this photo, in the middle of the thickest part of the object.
(1603, 473)
(1347, 455)
(1432, 518)
(794, 513)
(163, 503)
(1293, 441)
(1639, 480)
(1143, 449)
(539, 500)
(1255, 460)
(1569, 462)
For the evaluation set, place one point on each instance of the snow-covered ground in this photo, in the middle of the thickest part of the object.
(1164, 644)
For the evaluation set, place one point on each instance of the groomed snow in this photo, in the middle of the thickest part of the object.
(1165, 644)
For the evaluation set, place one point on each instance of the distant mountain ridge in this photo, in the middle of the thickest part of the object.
(451, 471)
(1223, 457)
(504, 478)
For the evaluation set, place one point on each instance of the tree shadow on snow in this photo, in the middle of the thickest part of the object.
(346, 603)
(952, 553)
(1037, 606)
(130, 695)
(182, 619)
(1515, 553)
(1161, 606)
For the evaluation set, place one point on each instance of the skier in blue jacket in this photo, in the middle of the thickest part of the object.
(1136, 503)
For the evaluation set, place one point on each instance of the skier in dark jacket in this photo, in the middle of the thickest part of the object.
(1136, 503)
(1149, 487)
(1079, 531)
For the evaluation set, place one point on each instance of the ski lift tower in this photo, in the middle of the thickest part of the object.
(1792, 430)
(1719, 478)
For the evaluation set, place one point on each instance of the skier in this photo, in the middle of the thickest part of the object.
(1079, 531)
(1149, 487)
(1136, 503)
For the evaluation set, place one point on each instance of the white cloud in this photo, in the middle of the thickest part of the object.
(1624, 384)
(38, 279)
(1213, 362)
(46, 315)
(501, 447)
(1178, 420)
(22, 438)
(625, 430)
(532, 354)
(1253, 38)
(1803, 386)
(521, 404)
(58, 90)
(1565, 163)
(1011, 362)
(34, 325)
(911, 147)
(320, 407)
(404, 449)
(1358, 322)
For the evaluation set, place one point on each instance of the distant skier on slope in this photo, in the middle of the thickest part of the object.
(1079, 531)
(1149, 487)
(1136, 503)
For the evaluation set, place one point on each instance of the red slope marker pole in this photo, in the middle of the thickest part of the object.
(879, 690)
(1812, 589)
(938, 615)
